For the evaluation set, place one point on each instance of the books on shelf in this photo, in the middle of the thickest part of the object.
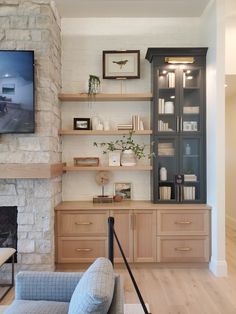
(137, 123)
(166, 149)
(165, 192)
(163, 126)
(191, 109)
(190, 178)
(171, 79)
(165, 107)
(125, 127)
(189, 193)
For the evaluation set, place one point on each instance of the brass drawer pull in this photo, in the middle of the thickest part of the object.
(183, 249)
(183, 222)
(83, 223)
(83, 250)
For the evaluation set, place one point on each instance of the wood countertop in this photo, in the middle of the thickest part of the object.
(88, 205)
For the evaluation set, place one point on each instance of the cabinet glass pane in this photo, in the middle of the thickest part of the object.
(166, 100)
(191, 101)
(167, 167)
(191, 169)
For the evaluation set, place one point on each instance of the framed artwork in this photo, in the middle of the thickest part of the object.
(81, 124)
(121, 64)
(124, 189)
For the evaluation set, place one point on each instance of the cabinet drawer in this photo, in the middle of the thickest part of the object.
(183, 250)
(80, 250)
(82, 223)
(188, 222)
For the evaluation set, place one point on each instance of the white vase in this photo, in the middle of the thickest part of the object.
(128, 158)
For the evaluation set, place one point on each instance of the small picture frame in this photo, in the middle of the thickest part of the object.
(124, 189)
(81, 124)
(121, 64)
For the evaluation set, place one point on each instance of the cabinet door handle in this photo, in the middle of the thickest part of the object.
(183, 222)
(84, 250)
(183, 249)
(177, 123)
(83, 223)
(181, 124)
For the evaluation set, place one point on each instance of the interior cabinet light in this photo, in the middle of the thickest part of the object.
(175, 60)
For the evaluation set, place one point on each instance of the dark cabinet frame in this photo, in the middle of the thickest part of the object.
(156, 56)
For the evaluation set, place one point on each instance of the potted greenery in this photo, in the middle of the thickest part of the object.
(130, 151)
(93, 85)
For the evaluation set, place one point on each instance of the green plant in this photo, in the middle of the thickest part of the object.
(126, 143)
(93, 84)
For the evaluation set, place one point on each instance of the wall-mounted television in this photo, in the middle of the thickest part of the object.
(17, 91)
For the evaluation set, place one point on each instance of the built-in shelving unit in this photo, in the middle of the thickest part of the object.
(107, 168)
(106, 97)
(110, 132)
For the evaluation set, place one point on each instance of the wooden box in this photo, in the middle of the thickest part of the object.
(86, 161)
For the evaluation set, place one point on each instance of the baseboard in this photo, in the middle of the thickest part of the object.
(219, 268)
(230, 222)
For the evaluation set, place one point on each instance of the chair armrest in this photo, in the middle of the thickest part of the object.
(47, 286)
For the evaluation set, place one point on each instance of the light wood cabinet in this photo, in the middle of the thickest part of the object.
(147, 232)
(144, 223)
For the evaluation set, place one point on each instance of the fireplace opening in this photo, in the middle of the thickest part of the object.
(8, 228)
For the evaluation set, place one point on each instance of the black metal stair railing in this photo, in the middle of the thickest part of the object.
(111, 235)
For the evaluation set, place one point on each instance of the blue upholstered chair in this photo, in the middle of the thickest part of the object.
(96, 291)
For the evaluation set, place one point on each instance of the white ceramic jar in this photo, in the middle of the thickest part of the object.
(128, 158)
(163, 174)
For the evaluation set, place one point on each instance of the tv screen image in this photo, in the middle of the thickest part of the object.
(17, 91)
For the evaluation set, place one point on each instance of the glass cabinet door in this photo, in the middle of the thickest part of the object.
(165, 169)
(190, 168)
(166, 99)
(191, 100)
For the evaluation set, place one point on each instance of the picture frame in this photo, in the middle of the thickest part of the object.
(124, 64)
(81, 124)
(124, 189)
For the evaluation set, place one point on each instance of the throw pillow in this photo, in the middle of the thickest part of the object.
(94, 291)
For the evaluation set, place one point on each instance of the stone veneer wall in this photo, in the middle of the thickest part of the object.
(34, 25)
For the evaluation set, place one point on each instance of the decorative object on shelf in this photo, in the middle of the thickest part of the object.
(81, 124)
(86, 161)
(103, 178)
(190, 126)
(125, 144)
(93, 85)
(169, 107)
(95, 122)
(128, 158)
(137, 123)
(163, 174)
(123, 189)
(114, 158)
(124, 64)
(106, 125)
(187, 149)
(117, 198)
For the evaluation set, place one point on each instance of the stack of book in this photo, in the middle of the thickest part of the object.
(191, 109)
(189, 193)
(190, 178)
(163, 126)
(165, 193)
(125, 127)
(171, 79)
(166, 149)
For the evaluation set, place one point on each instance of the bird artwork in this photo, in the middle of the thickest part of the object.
(121, 63)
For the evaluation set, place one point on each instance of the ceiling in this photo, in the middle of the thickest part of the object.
(130, 8)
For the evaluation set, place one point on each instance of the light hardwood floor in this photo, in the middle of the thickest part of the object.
(183, 290)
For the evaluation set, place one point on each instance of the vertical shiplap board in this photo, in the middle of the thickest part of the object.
(83, 41)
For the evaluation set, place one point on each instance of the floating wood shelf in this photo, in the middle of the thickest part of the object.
(106, 97)
(30, 171)
(107, 168)
(111, 132)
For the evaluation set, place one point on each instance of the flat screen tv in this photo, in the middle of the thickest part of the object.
(17, 91)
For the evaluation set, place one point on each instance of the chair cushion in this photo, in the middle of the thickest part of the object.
(37, 307)
(94, 292)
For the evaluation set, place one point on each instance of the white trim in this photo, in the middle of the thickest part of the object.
(218, 268)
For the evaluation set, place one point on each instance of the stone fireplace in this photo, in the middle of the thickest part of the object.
(34, 25)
